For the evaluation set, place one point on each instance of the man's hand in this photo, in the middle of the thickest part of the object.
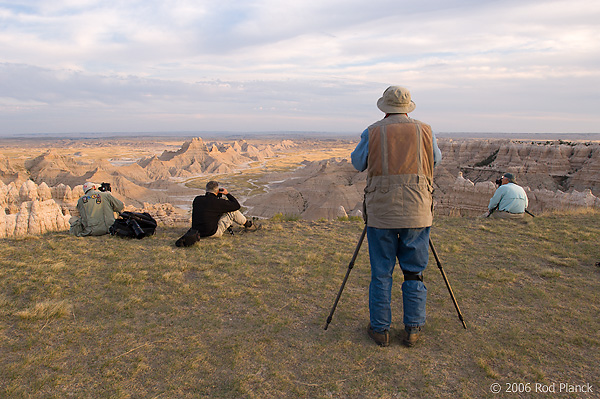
(223, 191)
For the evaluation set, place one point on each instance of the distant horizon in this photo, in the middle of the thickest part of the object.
(231, 135)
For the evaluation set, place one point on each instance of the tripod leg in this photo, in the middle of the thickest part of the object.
(350, 266)
(529, 213)
(460, 316)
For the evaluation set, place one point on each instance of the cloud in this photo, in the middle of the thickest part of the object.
(318, 65)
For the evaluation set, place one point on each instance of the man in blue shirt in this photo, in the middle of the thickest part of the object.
(509, 200)
(399, 154)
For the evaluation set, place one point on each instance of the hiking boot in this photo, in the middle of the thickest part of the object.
(188, 239)
(411, 336)
(251, 225)
(381, 339)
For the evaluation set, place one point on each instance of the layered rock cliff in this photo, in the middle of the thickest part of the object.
(30, 210)
(466, 198)
(42, 192)
(551, 165)
(319, 190)
(556, 176)
(146, 180)
(39, 194)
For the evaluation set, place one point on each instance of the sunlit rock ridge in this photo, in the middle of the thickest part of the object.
(557, 176)
(39, 194)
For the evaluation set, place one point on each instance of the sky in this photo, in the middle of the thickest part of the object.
(75, 66)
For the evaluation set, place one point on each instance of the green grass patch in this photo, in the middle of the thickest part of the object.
(280, 217)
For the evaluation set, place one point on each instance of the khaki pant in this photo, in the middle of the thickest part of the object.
(507, 215)
(227, 220)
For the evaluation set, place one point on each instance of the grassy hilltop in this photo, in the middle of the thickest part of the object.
(243, 316)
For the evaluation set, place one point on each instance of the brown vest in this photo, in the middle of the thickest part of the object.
(399, 174)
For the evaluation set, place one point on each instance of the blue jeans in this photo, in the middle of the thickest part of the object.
(411, 248)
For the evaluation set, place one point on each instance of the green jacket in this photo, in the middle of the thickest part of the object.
(97, 213)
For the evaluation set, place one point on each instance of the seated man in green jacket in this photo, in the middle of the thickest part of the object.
(96, 212)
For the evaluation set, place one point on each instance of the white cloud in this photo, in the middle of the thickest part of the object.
(316, 64)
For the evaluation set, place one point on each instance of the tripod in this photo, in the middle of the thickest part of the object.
(437, 259)
(351, 265)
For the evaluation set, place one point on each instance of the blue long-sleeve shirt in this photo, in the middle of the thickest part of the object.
(361, 153)
(509, 198)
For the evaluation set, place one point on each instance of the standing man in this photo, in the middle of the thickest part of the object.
(509, 201)
(399, 154)
(96, 212)
(212, 215)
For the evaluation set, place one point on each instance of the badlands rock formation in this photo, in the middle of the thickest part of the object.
(42, 192)
(39, 194)
(555, 166)
(465, 198)
(145, 180)
(32, 211)
(325, 189)
(556, 175)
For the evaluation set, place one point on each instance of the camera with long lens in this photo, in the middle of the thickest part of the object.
(104, 187)
(499, 181)
(139, 233)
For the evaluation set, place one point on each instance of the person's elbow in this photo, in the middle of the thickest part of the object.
(358, 163)
(437, 158)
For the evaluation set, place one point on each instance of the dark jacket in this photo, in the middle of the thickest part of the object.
(207, 210)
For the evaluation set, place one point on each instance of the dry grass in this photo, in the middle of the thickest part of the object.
(46, 310)
(243, 316)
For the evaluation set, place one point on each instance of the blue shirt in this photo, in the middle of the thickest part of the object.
(509, 198)
(361, 153)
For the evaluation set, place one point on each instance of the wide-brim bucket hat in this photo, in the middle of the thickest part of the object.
(396, 100)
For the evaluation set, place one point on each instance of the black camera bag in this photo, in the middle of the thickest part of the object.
(133, 225)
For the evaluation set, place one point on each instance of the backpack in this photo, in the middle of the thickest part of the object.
(133, 224)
